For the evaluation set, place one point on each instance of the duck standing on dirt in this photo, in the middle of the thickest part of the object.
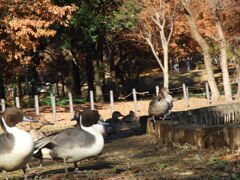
(161, 105)
(16, 145)
(115, 124)
(72, 144)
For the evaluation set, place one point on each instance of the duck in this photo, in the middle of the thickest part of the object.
(73, 144)
(89, 117)
(115, 124)
(17, 145)
(161, 105)
(131, 117)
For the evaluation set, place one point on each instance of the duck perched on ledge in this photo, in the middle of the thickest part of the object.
(161, 105)
(16, 145)
(72, 145)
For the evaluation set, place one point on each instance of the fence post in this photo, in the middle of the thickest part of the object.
(3, 104)
(17, 102)
(54, 109)
(185, 95)
(112, 101)
(36, 105)
(157, 90)
(71, 104)
(135, 100)
(92, 100)
(238, 92)
(207, 93)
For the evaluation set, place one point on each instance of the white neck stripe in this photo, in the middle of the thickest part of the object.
(8, 129)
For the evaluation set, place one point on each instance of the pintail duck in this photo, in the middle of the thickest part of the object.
(89, 117)
(72, 144)
(131, 117)
(161, 105)
(16, 145)
(115, 124)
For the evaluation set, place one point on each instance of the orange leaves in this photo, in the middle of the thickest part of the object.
(23, 23)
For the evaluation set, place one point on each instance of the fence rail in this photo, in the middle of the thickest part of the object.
(205, 92)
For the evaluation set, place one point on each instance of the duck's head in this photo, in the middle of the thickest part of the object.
(89, 117)
(12, 116)
(100, 126)
(132, 113)
(116, 114)
(164, 90)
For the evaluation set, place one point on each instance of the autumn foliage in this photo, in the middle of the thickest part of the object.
(23, 23)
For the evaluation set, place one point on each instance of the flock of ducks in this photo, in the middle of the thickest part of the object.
(86, 139)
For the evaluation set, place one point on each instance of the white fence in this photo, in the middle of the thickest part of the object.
(134, 93)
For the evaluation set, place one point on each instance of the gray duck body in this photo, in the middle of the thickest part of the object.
(161, 105)
(72, 144)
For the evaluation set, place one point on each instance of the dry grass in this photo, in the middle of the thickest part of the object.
(135, 156)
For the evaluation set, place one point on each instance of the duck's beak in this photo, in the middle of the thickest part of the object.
(29, 120)
(48, 123)
(103, 123)
(74, 118)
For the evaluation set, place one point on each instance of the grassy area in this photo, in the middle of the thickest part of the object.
(135, 157)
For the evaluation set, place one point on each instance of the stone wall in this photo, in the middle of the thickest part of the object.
(210, 127)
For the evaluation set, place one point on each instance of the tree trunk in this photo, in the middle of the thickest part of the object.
(98, 80)
(165, 61)
(205, 48)
(2, 87)
(89, 69)
(19, 88)
(224, 66)
(63, 88)
(98, 66)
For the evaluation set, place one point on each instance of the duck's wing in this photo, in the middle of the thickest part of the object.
(46, 142)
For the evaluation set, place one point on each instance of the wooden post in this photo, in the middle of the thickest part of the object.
(71, 104)
(54, 109)
(135, 100)
(17, 102)
(157, 90)
(3, 104)
(185, 95)
(207, 93)
(92, 100)
(187, 92)
(36, 105)
(112, 101)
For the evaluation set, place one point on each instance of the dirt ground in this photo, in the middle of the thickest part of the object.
(136, 156)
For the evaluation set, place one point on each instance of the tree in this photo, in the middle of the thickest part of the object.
(205, 49)
(223, 49)
(22, 24)
(158, 16)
